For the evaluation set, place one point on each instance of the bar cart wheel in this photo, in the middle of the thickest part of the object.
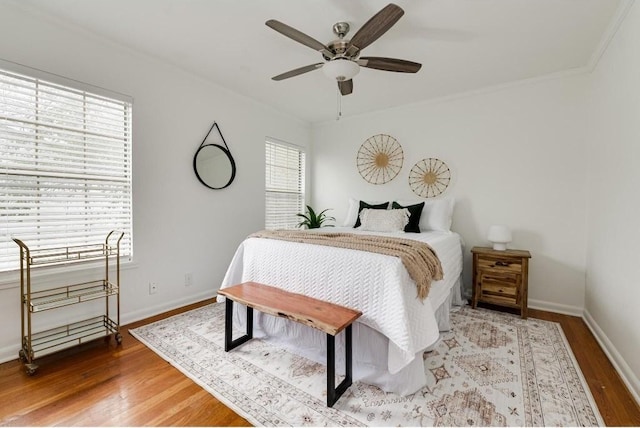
(118, 338)
(31, 369)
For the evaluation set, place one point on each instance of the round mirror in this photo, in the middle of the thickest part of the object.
(214, 166)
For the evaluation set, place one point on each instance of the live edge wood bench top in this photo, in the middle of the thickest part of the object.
(321, 315)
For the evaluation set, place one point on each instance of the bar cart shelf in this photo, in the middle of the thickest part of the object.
(39, 343)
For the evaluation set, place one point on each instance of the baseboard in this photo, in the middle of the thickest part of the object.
(628, 377)
(9, 353)
(555, 307)
(168, 306)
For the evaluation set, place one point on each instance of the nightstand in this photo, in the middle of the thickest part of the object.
(501, 278)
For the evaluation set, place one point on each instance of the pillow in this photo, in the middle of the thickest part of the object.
(436, 215)
(377, 220)
(363, 205)
(440, 214)
(415, 211)
(352, 212)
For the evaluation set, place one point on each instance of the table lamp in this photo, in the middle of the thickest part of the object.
(500, 236)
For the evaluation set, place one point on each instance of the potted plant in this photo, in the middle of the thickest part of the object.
(313, 220)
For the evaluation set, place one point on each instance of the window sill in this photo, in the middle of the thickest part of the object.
(62, 273)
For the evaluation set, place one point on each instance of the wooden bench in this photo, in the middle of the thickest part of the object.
(321, 315)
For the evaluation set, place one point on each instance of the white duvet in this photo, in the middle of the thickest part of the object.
(376, 284)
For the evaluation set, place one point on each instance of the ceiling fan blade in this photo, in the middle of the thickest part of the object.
(346, 86)
(299, 37)
(297, 71)
(389, 64)
(374, 28)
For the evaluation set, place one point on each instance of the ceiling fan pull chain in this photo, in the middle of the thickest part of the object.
(339, 104)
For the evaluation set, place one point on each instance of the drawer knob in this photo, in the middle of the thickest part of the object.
(500, 263)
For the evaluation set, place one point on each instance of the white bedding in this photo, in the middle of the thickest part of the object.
(376, 284)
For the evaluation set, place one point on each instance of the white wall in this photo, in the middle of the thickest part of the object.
(180, 226)
(517, 156)
(613, 259)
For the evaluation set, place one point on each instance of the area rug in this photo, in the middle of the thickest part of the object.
(491, 369)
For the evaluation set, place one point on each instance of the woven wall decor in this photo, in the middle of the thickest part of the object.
(380, 159)
(429, 177)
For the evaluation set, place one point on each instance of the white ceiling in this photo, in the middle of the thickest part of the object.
(464, 45)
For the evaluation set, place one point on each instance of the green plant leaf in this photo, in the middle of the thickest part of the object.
(313, 220)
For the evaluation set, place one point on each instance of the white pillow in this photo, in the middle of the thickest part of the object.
(384, 220)
(437, 214)
(352, 211)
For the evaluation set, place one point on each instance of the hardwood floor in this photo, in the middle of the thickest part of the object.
(100, 384)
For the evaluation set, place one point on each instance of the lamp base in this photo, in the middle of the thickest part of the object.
(500, 246)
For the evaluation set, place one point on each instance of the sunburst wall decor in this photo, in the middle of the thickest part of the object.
(429, 177)
(380, 159)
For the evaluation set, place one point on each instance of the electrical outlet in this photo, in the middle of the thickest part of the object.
(188, 279)
(153, 288)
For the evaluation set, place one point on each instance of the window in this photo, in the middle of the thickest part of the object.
(65, 164)
(285, 169)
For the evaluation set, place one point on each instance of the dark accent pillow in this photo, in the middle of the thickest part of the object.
(364, 205)
(415, 211)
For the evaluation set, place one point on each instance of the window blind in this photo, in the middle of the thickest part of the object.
(285, 185)
(65, 166)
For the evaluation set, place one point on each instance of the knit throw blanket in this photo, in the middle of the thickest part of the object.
(418, 258)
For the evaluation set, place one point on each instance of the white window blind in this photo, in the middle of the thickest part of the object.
(285, 172)
(65, 166)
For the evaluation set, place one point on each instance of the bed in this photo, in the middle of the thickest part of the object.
(396, 327)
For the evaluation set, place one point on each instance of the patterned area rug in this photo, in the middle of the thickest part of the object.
(492, 369)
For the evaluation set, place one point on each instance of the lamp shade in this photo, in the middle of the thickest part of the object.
(500, 236)
(340, 69)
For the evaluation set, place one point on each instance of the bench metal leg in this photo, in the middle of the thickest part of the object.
(229, 343)
(333, 393)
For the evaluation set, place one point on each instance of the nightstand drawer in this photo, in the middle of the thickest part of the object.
(499, 278)
(499, 292)
(500, 264)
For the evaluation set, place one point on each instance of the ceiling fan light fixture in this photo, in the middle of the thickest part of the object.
(340, 69)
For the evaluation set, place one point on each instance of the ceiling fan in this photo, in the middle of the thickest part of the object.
(342, 58)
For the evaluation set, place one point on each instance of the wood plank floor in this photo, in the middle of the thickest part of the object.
(101, 384)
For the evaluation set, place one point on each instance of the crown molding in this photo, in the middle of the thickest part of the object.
(614, 25)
